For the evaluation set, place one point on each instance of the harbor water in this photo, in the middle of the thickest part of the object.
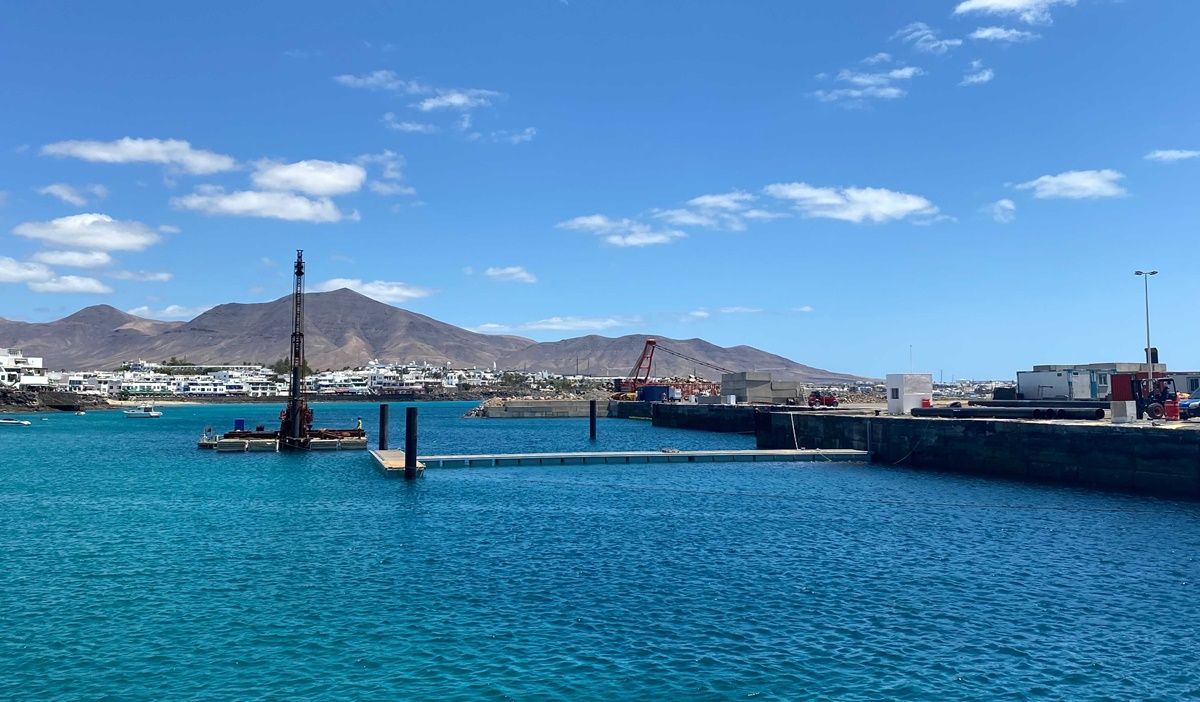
(135, 567)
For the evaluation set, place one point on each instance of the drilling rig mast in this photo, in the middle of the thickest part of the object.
(297, 418)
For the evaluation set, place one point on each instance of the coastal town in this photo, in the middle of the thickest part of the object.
(178, 380)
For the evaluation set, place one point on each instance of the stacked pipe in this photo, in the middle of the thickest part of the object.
(1089, 404)
(1080, 413)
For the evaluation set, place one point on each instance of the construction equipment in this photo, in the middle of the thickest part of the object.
(640, 374)
(296, 419)
(1152, 396)
(816, 398)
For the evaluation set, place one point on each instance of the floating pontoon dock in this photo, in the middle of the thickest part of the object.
(394, 460)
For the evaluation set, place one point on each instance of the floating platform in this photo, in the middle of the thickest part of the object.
(394, 460)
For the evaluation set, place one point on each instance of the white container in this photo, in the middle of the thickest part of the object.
(905, 391)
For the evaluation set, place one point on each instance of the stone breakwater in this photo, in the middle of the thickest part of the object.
(1162, 460)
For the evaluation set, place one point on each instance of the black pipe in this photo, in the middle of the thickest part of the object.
(410, 443)
(592, 420)
(1009, 413)
(1087, 404)
(383, 427)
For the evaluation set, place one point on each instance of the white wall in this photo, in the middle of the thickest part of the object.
(906, 390)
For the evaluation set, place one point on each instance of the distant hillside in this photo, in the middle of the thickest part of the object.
(344, 328)
(602, 355)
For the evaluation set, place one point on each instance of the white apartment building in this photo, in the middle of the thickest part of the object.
(21, 371)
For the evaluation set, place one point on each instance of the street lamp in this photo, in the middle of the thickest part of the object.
(1146, 284)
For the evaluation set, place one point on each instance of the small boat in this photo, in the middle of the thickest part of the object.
(5, 421)
(208, 440)
(80, 413)
(143, 412)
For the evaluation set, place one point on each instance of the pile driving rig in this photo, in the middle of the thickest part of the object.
(296, 431)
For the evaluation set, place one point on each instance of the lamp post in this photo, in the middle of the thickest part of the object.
(1146, 285)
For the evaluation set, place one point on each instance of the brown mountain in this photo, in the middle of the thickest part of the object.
(344, 328)
(91, 338)
(602, 355)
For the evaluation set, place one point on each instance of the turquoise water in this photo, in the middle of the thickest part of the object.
(133, 566)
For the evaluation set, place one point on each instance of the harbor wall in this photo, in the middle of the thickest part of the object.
(718, 418)
(540, 409)
(622, 409)
(1153, 460)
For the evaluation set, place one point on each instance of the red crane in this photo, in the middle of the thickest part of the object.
(640, 375)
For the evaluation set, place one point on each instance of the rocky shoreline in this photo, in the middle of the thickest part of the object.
(17, 401)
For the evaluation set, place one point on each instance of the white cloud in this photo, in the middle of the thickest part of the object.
(383, 80)
(1077, 185)
(853, 204)
(924, 38)
(696, 315)
(1169, 155)
(1028, 11)
(879, 85)
(717, 211)
(91, 231)
(394, 123)
(14, 271)
(732, 201)
(686, 218)
(74, 259)
(170, 312)
(525, 135)
(143, 276)
(621, 232)
(576, 323)
(73, 195)
(510, 274)
(457, 100)
(213, 200)
(381, 187)
(977, 74)
(881, 57)
(168, 229)
(392, 171)
(391, 162)
(384, 291)
(805, 309)
(312, 177)
(70, 284)
(740, 310)
(1003, 210)
(1003, 34)
(764, 215)
(170, 152)
(491, 328)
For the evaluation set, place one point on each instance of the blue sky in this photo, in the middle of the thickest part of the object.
(828, 181)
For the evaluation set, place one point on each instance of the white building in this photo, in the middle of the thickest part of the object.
(21, 371)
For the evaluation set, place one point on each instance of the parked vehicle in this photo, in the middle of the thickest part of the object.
(1189, 407)
(819, 399)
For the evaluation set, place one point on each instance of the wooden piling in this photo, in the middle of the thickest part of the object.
(410, 443)
(383, 427)
(592, 420)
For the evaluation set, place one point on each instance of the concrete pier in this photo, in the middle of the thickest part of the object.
(537, 409)
(1161, 460)
(393, 460)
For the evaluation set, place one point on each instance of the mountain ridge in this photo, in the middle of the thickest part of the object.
(346, 329)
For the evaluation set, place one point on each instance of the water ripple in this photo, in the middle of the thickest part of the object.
(135, 568)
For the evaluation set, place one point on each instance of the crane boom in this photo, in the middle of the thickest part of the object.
(686, 357)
